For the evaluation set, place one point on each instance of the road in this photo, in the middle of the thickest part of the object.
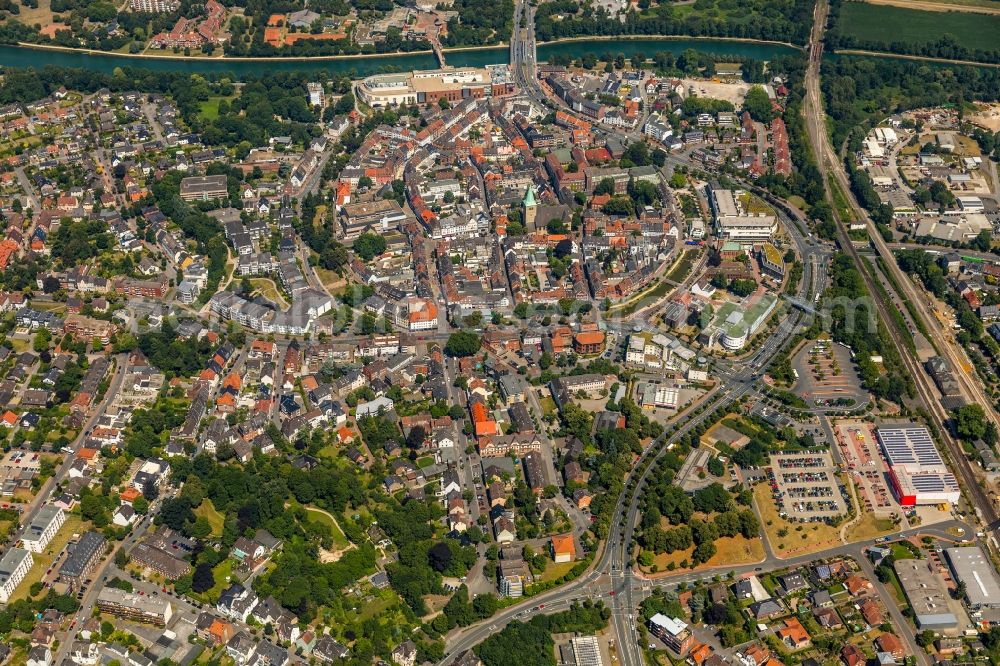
(833, 168)
(43, 494)
(28, 188)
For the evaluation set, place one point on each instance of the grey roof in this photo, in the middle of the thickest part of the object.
(82, 554)
(972, 567)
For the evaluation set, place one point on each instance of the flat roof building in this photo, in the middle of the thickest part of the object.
(14, 566)
(420, 87)
(586, 651)
(151, 610)
(747, 227)
(921, 488)
(40, 531)
(970, 566)
(917, 473)
(203, 188)
(910, 448)
(926, 595)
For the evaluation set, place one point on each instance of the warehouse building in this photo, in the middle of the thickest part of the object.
(917, 473)
(926, 595)
(971, 566)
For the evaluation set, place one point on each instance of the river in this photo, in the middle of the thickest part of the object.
(14, 56)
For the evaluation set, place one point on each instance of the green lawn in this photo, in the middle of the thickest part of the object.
(548, 404)
(210, 107)
(555, 570)
(318, 515)
(883, 23)
(329, 451)
(215, 519)
(221, 572)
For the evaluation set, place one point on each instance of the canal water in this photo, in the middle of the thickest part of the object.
(14, 56)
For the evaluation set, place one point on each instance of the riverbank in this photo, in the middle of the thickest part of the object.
(919, 58)
(673, 38)
(173, 57)
(221, 59)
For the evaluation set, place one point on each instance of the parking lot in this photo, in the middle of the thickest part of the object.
(826, 376)
(805, 486)
(858, 448)
(17, 468)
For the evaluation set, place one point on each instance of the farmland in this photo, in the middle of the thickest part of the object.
(887, 24)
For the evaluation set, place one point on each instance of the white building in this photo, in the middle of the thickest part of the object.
(14, 566)
(657, 129)
(657, 395)
(734, 222)
(315, 93)
(373, 408)
(41, 530)
(747, 227)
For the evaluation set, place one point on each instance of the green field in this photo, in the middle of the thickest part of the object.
(215, 519)
(222, 572)
(882, 23)
(210, 107)
(318, 515)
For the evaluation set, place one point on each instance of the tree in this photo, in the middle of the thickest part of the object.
(984, 241)
(368, 246)
(605, 186)
(201, 528)
(462, 343)
(758, 105)
(345, 104)
(42, 340)
(184, 584)
(415, 438)
(439, 556)
(50, 285)
(970, 422)
(203, 578)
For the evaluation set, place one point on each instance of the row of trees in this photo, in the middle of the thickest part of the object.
(766, 20)
(854, 322)
(531, 643)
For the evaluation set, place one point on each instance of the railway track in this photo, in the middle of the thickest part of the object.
(926, 390)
